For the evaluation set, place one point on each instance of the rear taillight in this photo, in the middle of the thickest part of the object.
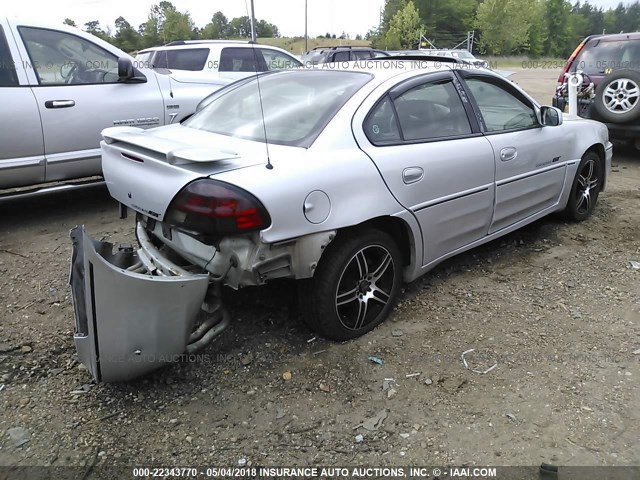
(214, 209)
(572, 57)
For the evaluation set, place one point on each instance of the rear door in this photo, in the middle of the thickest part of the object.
(22, 146)
(433, 159)
(75, 83)
(530, 160)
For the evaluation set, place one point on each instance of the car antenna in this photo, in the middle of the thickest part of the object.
(264, 124)
(166, 60)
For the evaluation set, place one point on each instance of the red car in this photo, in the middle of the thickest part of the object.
(611, 89)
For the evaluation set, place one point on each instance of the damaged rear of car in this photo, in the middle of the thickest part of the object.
(196, 226)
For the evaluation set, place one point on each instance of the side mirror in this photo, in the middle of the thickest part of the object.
(127, 73)
(550, 116)
(125, 69)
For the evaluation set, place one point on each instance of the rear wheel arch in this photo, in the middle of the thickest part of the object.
(397, 228)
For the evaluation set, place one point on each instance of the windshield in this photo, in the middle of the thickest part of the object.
(599, 56)
(297, 105)
(466, 56)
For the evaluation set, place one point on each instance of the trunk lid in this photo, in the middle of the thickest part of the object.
(145, 169)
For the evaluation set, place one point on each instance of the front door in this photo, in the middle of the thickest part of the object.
(75, 83)
(22, 152)
(530, 159)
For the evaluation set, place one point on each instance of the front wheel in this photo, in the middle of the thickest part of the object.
(585, 189)
(355, 286)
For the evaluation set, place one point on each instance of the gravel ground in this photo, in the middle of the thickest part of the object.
(555, 306)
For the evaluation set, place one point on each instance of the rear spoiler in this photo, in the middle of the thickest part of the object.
(175, 155)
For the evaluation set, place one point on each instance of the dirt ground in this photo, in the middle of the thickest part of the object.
(556, 306)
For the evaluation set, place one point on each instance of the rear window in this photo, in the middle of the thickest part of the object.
(8, 77)
(193, 59)
(598, 56)
(296, 105)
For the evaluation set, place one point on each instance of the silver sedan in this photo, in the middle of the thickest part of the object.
(348, 180)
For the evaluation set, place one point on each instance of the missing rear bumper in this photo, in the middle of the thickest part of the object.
(130, 321)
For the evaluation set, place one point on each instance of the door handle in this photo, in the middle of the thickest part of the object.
(59, 103)
(508, 153)
(412, 175)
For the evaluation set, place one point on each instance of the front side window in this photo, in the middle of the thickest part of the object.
(8, 76)
(60, 58)
(192, 59)
(432, 110)
(233, 59)
(500, 109)
(278, 61)
(361, 55)
(290, 107)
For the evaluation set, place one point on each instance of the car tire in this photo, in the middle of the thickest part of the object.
(355, 286)
(585, 189)
(617, 98)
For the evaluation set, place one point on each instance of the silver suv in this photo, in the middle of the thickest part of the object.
(231, 59)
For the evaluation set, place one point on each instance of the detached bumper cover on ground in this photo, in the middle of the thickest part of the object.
(128, 324)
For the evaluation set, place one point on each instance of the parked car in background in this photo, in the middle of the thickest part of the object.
(61, 87)
(461, 54)
(611, 90)
(231, 59)
(364, 179)
(340, 53)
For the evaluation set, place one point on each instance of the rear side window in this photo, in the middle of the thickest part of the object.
(8, 76)
(192, 59)
(381, 125)
(598, 57)
(341, 56)
(432, 110)
(233, 59)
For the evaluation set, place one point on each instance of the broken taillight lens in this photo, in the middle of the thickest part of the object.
(216, 209)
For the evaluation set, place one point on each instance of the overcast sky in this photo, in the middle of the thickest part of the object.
(334, 16)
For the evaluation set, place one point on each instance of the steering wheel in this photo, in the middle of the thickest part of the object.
(68, 72)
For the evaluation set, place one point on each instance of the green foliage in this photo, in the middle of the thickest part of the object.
(558, 23)
(217, 28)
(405, 27)
(502, 27)
(126, 37)
(502, 37)
(68, 21)
(93, 27)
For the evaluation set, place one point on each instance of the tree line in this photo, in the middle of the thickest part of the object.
(166, 24)
(502, 27)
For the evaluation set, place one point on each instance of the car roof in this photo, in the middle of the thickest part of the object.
(616, 36)
(319, 50)
(386, 68)
(188, 45)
